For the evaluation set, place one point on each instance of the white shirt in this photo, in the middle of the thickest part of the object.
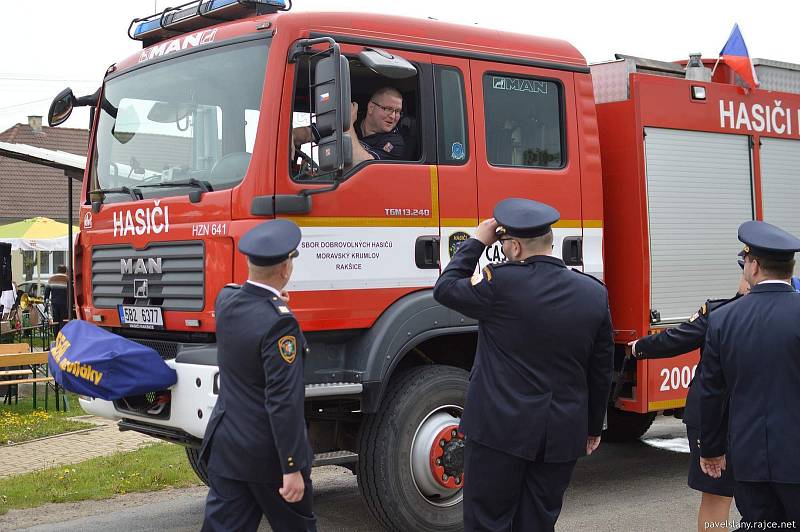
(773, 281)
(266, 286)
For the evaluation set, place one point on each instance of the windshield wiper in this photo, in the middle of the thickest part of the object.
(191, 182)
(134, 193)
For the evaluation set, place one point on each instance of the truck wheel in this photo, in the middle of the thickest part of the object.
(411, 455)
(626, 426)
(193, 454)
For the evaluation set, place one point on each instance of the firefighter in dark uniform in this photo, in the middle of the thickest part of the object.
(542, 373)
(752, 358)
(717, 493)
(256, 448)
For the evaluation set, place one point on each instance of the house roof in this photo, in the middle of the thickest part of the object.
(27, 189)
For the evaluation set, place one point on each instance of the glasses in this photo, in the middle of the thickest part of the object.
(504, 240)
(388, 110)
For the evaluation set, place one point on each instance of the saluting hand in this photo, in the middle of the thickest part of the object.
(293, 487)
(486, 232)
(713, 467)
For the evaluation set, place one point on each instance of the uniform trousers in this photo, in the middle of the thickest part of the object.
(237, 505)
(503, 492)
(768, 501)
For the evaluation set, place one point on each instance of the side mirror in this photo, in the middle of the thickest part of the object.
(332, 94)
(387, 64)
(329, 156)
(61, 108)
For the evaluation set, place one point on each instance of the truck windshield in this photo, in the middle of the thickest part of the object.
(178, 125)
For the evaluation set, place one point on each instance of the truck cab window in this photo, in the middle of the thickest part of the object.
(385, 120)
(168, 126)
(523, 121)
(451, 116)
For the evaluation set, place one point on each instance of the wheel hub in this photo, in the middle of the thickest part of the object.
(437, 457)
(447, 458)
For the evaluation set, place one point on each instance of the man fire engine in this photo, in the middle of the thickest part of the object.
(191, 146)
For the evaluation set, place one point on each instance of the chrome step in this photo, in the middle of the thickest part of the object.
(335, 458)
(333, 388)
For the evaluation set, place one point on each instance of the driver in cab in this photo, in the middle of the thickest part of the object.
(378, 133)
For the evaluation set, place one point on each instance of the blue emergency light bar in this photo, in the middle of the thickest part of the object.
(198, 14)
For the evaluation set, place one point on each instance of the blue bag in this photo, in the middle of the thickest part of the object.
(89, 360)
(796, 284)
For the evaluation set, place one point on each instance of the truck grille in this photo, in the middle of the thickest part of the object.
(167, 350)
(179, 286)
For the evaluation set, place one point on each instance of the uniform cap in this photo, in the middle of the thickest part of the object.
(524, 218)
(270, 242)
(767, 241)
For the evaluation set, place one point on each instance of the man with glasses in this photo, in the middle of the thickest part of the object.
(377, 132)
(256, 448)
(542, 373)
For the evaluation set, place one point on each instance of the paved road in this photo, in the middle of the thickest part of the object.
(635, 486)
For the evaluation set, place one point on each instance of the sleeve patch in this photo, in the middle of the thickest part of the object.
(477, 278)
(287, 346)
(487, 272)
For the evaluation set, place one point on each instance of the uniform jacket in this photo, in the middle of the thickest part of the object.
(686, 337)
(257, 430)
(752, 354)
(542, 373)
(389, 146)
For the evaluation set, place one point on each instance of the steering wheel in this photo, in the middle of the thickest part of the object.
(307, 165)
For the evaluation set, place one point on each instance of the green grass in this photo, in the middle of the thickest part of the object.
(151, 468)
(20, 422)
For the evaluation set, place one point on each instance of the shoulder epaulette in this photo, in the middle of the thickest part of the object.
(590, 276)
(713, 304)
(280, 306)
(496, 265)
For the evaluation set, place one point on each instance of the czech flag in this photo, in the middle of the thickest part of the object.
(735, 55)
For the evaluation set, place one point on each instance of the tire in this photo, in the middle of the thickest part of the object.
(199, 467)
(626, 426)
(421, 411)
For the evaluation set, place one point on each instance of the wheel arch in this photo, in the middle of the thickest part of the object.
(416, 330)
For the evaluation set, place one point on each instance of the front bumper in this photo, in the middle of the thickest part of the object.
(192, 399)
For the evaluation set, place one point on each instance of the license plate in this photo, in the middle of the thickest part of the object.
(140, 317)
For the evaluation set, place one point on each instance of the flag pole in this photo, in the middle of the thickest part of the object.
(715, 67)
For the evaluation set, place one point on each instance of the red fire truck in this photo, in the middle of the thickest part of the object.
(192, 145)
